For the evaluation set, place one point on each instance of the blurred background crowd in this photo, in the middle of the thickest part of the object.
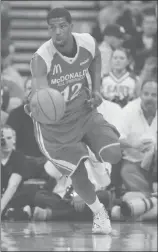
(126, 32)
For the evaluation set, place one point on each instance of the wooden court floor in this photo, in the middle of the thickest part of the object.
(76, 236)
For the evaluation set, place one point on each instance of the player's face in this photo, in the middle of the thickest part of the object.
(149, 96)
(60, 30)
(119, 60)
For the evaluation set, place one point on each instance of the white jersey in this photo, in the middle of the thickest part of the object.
(119, 90)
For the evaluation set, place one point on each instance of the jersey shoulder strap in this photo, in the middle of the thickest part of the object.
(47, 51)
(86, 41)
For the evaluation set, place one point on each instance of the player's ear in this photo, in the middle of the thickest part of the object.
(71, 26)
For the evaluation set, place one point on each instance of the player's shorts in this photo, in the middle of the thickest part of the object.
(97, 134)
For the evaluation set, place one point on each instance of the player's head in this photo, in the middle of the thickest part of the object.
(120, 59)
(60, 25)
(149, 95)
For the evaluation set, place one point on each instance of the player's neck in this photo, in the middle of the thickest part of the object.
(70, 49)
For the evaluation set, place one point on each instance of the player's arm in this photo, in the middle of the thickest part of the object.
(39, 78)
(95, 74)
(95, 70)
(39, 73)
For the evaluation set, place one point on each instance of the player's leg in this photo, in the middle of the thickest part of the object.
(103, 139)
(67, 160)
(86, 190)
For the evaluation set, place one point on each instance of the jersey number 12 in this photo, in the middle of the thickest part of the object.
(70, 92)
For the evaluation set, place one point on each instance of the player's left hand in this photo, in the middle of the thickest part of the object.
(95, 100)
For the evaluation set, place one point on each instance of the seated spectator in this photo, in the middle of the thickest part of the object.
(12, 170)
(23, 126)
(145, 43)
(138, 129)
(114, 37)
(18, 198)
(119, 85)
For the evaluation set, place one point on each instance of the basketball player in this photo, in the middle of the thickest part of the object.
(66, 62)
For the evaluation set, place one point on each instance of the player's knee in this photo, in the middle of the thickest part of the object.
(111, 154)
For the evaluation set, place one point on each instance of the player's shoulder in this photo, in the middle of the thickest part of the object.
(44, 55)
(86, 41)
(83, 37)
(45, 47)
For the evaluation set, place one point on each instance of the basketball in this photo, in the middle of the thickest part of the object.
(47, 106)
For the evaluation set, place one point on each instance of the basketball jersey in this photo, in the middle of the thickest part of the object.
(119, 90)
(70, 77)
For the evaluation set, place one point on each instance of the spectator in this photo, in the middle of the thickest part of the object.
(119, 85)
(136, 8)
(145, 43)
(12, 170)
(23, 126)
(110, 13)
(149, 71)
(138, 129)
(114, 36)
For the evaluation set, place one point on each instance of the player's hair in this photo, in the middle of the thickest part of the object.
(58, 13)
